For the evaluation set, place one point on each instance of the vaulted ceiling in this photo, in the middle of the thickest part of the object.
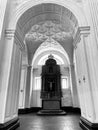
(47, 48)
(48, 22)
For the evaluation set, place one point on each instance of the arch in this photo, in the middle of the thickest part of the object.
(54, 48)
(58, 56)
(43, 59)
(72, 6)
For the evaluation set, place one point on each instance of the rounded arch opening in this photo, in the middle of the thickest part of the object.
(71, 6)
(25, 20)
(53, 48)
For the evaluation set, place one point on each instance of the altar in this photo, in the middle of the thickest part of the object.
(51, 92)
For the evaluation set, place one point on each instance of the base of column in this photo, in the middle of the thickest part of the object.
(86, 125)
(10, 125)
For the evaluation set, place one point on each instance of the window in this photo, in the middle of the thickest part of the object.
(64, 82)
(37, 83)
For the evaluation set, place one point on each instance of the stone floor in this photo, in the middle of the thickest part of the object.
(35, 122)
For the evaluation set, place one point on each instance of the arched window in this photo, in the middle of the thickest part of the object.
(37, 83)
(64, 82)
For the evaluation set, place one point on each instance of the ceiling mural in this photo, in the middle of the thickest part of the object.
(48, 30)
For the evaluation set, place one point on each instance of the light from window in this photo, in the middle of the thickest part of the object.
(37, 83)
(64, 82)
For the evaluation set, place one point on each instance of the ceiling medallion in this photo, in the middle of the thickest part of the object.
(49, 30)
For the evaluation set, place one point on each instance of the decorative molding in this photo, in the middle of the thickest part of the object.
(85, 31)
(51, 44)
(71, 5)
(10, 125)
(18, 2)
(9, 34)
(87, 125)
(49, 30)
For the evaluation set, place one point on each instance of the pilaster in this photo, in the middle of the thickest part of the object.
(74, 87)
(88, 75)
(3, 6)
(10, 79)
(92, 54)
(7, 50)
(22, 92)
(28, 87)
(93, 8)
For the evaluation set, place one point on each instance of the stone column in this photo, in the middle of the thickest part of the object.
(74, 87)
(22, 92)
(5, 60)
(28, 87)
(92, 61)
(10, 80)
(3, 13)
(93, 8)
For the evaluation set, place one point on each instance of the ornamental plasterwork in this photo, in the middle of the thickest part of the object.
(51, 46)
(21, 1)
(49, 30)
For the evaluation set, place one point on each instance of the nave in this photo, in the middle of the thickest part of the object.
(32, 121)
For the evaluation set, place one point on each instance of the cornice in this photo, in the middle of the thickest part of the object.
(81, 31)
(14, 34)
(9, 34)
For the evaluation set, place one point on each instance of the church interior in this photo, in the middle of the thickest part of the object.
(48, 65)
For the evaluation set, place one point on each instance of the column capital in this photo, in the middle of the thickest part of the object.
(71, 65)
(81, 31)
(9, 33)
(18, 38)
(29, 66)
(84, 30)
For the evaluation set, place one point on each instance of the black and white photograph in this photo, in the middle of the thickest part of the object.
(48, 64)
